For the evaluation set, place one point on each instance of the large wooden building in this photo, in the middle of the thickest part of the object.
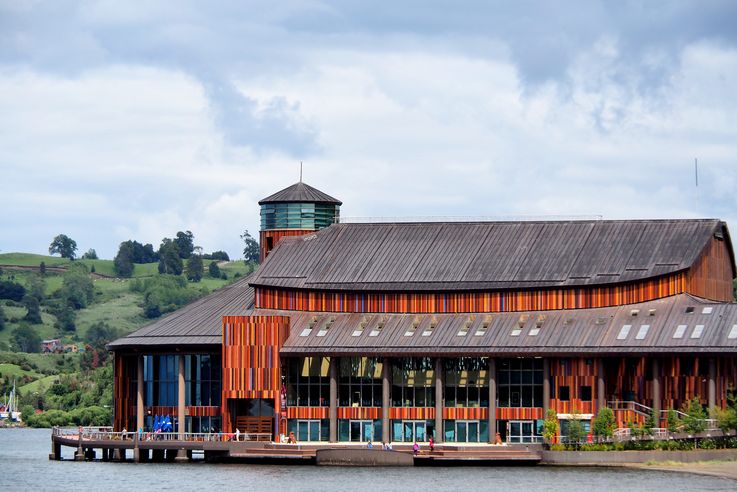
(400, 331)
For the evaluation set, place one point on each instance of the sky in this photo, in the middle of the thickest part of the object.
(135, 120)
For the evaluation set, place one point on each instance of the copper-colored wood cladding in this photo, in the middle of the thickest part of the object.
(124, 401)
(711, 275)
(470, 302)
(573, 373)
(522, 413)
(408, 413)
(359, 413)
(276, 235)
(251, 367)
(465, 413)
(307, 412)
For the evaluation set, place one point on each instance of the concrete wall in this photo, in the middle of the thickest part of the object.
(623, 457)
(363, 457)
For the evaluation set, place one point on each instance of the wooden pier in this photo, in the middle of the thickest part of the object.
(115, 446)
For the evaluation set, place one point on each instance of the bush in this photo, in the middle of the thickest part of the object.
(77, 289)
(604, 423)
(550, 426)
(163, 294)
(12, 290)
(695, 420)
(214, 270)
(33, 315)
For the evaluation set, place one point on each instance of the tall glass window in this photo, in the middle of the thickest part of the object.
(360, 382)
(413, 383)
(160, 376)
(202, 379)
(308, 381)
(521, 383)
(466, 382)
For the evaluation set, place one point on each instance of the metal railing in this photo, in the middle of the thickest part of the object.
(630, 405)
(107, 434)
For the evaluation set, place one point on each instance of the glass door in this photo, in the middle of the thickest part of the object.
(522, 431)
(308, 430)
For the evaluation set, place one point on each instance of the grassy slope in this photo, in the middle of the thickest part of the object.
(15, 371)
(103, 267)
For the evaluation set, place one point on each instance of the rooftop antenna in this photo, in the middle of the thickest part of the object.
(696, 175)
(300, 171)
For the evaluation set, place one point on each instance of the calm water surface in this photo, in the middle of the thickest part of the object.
(24, 465)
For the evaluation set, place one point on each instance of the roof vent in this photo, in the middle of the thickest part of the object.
(635, 312)
(380, 326)
(689, 309)
(600, 321)
(719, 235)
(412, 329)
(522, 320)
(568, 321)
(428, 331)
(539, 321)
(361, 326)
(324, 330)
(466, 326)
(651, 312)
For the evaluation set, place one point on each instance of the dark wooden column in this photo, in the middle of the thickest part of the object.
(333, 413)
(492, 399)
(386, 398)
(546, 385)
(600, 385)
(439, 400)
(657, 396)
(712, 389)
(181, 453)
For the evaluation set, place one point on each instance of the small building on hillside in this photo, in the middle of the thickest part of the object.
(51, 346)
(457, 330)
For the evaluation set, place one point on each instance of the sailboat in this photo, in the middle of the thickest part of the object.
(9, 411)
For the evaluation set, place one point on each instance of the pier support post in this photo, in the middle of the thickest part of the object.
(386, 397)
(438, 400)
(492, 400)
(333, 411)
(79, 454)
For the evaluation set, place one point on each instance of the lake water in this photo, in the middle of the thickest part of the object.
(24, 465)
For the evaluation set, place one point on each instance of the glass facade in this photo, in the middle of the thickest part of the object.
(308, 381)
(466, 430)
(202, 380)
(360, 382)
(520, 382)
(413, 382)
(359, 430)
(466, 382)
(412, 430)
(306, 430)
(298, 215)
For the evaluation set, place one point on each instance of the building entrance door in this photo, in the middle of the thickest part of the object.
(361, 430)
(253, 416)
(308, 430)
(521, 431)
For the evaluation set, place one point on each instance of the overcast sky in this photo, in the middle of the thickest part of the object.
(133, 120)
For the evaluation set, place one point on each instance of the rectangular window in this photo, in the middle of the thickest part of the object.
(680, 331)
(642, 332)
(306, 332)
(534, 332)
(733, 333)
(697, 331)
(516, 332)
(707, 310)
(624, 332)
(564, 393)
(585, 393)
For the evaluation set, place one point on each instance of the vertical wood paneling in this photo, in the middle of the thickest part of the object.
(711, 275)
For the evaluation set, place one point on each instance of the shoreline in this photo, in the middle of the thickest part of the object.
(722, 469)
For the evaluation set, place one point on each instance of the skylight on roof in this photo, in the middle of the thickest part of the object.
(680, 331)
(534, 332)
(482, 330)
(516, 332)
(707, 310)
(732, 333)
(642, 332)
(306, 332)
(697, 331)
(624, 332)
(322, 332)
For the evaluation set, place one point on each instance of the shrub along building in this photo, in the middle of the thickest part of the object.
(401, 331)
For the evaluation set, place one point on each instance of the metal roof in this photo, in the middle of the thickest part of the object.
(486, 255)
(302, 193)
(197, 323)
(584, 331)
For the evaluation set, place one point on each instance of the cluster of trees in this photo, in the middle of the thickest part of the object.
(163, 294)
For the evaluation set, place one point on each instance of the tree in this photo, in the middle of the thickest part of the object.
(123, 261)
(25, 339)
(672, 422)
(33, 315)
(169, 260)
(726, 418)
(217, 255)
(2, 319)
(63, 245)
(695, 420)
(99, 334)
(42, 268)
(576, 432)
(214, 270)
(77, 289)
(12, 290)
(65, 319)
(185, 244)
(251, 251)
(550, 426)
(91, 254)
(195, 269)
(37, 287)
(604, 423)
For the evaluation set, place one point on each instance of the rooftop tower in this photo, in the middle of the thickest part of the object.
(294, 211)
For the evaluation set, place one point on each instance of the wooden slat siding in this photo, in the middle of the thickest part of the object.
(470, 302)
(251, 366)
(277, 235)
(307, 412)
(359, 413)
(520, 413)
(574, 373)
(122, 398)
(465, 413)
(677, 389)
(711, 275)
(411, 413)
